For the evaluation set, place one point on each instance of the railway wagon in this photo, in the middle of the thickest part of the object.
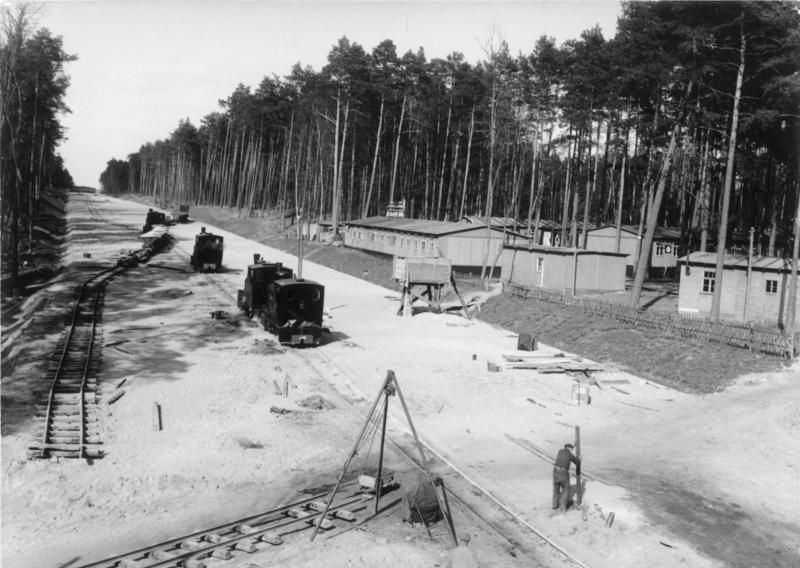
(260, 275)
(207, 255)
(294, 310)
(155, 218)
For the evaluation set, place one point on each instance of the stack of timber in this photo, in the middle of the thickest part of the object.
(558, 363)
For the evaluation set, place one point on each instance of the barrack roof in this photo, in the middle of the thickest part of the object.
(765, 263)
(418, 226)
(660, 232)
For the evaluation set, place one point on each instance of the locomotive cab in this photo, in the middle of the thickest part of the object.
(294, 311)
(207, 252)
(260, 275)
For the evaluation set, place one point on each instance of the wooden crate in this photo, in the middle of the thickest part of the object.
(421, 270)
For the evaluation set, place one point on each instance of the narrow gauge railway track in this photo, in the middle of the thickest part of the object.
(69, 408)
(248, 535)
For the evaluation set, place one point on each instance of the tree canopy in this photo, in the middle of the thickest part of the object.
(539, 136)
(32, 90)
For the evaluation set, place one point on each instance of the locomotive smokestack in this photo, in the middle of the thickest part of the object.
(256, 258)
(202, 230)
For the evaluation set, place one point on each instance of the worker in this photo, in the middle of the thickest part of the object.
(561, 487)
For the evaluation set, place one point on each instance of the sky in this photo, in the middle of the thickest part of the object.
(145, 65)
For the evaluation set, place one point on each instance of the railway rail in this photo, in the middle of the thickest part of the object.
(69, 408)
(248, 535)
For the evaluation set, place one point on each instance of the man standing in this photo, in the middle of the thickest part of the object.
(561, 490)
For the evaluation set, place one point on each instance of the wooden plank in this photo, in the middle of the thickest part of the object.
(516, 357)
(64, 447)
(116, 397)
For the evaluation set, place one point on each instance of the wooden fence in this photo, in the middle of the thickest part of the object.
(764, 340)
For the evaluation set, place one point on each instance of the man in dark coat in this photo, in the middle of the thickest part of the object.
(561, 489)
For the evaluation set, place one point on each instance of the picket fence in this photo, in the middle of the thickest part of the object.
(761, 339)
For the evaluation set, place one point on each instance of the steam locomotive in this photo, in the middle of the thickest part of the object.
(290, 307)
(260, 275)
(207, 255)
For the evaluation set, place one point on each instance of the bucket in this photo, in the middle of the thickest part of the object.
(581, 394)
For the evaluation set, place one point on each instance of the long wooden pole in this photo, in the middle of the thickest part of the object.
(300, 243)
(749, 275)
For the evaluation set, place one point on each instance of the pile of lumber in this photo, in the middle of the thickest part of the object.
(558, 363)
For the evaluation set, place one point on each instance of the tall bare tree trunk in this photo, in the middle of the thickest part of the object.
(704, 196)
(489, 188)
(397, 149)
(448, 208)
(620, 198)
(654, 208)
(444, 156)
(531, 200)
(565, 211)
(466, 166)
(716, 300)
(365, 210)
(593, 189)
(337, 190)
(588, 190)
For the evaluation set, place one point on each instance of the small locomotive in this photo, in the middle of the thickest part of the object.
(294, 311)
(207, 256)
(290, 307)
(260, 274)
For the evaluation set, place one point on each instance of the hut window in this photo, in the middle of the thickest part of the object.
(772, 286)
(394, 240)
(423, 245)
(539, 264)
(659, 249)
(709, 277)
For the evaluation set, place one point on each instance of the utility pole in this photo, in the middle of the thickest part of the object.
(749, 273)
(792, 319)
(300, 242)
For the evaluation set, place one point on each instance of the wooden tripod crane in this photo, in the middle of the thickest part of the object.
(389, 387)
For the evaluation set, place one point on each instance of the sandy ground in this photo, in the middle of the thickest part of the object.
(701, 481)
